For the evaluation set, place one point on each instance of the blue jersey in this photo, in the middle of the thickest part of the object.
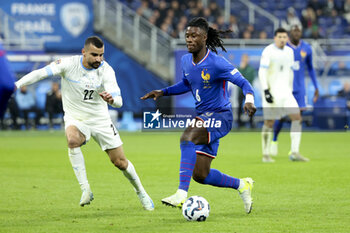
(7, 82)
(207, 80)
(302, 58)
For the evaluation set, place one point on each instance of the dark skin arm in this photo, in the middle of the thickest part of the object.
(155, 94)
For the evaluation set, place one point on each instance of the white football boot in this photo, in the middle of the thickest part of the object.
(176, 200)
(267, 159)
(86, 197)
(296, 157)
(146, 201)
(246, 193)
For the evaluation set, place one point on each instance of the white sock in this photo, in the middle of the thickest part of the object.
(77, 160)
(132, 176)
(241, 184)
(182, 193)
(266, 137)
(295, 136)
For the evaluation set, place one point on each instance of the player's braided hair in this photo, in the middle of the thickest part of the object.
(213, 36)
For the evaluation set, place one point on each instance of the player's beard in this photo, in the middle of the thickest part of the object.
(95, 65)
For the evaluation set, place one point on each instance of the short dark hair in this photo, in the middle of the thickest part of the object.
(213, 36)
(95, 41)
(280, 30)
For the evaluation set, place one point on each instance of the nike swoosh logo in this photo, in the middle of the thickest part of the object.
(187, 74)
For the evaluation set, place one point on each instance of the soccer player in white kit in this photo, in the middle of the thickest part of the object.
(276, 78)
(88, 84)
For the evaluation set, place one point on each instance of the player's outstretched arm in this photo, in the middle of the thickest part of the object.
(116, 101)
(155, 94)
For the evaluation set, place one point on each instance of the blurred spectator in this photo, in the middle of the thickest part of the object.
(345, 92)
(179, 32)
(208, 15)
(144, 10)
(249, 73)
(263, 35)
(330, 8)
(26, 104)
(214, 9)
(310, 24)
(14, 114)
(233, 26)
(316, 6)
(247, 35)
(346, 10)
(162, 8)
(220, 21)
(292, 19)
(53, 104)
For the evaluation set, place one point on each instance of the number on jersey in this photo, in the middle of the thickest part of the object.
(88, 94)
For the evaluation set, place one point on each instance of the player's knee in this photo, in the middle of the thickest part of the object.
(120, 163)
(73, 142)
(199, 177)
(190, 137)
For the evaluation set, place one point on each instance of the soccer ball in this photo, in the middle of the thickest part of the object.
(196, 208)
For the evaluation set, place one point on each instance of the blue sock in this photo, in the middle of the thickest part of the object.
(218, 179)
(188, 160)
(277, 129)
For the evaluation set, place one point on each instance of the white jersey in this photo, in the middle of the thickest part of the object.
(276, 70)
(81, 87)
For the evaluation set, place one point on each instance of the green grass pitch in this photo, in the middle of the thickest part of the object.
(39, 192)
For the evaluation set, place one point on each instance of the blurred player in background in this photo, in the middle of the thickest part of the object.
(7, 81)
(206, 74)
(302, 57)
(88, 84)
(276, 78)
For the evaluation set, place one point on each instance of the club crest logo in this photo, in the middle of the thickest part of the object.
(74, 17)
(303, 53)
(206, 79)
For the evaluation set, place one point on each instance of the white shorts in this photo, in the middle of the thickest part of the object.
(280, 107)
(103, 132)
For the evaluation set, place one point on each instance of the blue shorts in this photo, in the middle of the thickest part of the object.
(300, 98)
(215, 132)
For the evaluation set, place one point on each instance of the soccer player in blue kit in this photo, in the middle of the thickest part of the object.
(206, 74)
(302, 57)
(7, 82)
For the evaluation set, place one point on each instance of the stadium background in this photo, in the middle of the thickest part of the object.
(145, 41)
(38, 189)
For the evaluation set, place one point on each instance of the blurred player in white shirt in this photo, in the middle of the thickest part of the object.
(88, 84)
(276, 78)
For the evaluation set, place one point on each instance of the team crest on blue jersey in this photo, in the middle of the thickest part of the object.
(206, 78)
(303, 53)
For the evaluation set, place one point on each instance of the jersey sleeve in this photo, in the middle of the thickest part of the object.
(226, 71)
(59, 66)
(310, 67)
(55, 68)
(181, 87)
(177, 89)
(111, 86)
(263, 69)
